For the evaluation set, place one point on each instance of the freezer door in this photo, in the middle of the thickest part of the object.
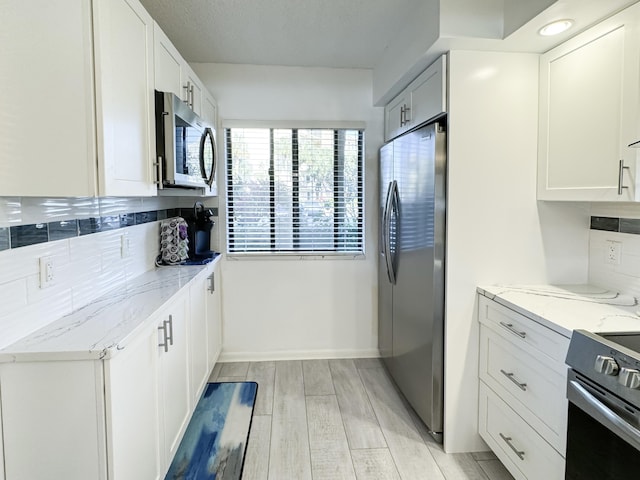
(418, 295)
(385, 298)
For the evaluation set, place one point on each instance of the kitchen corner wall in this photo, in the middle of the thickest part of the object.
(619, 223)
(297, 308)
(496, 231)
(84, 238)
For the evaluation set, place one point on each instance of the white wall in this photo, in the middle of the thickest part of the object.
(496, 231)
(300, 308)
(625, 276)
(85, 267)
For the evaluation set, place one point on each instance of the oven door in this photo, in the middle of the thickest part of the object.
(603, 433)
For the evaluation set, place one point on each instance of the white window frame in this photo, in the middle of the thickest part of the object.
(298, 254)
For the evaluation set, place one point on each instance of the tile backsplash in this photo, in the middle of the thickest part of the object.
(619, 224)
(84, 237)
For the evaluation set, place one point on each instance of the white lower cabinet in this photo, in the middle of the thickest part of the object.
(173, 377)
(523, 406)
(214, 315)
(117, 418)
(198, 364)
(132, 418)
(518, 446)
(54, 422)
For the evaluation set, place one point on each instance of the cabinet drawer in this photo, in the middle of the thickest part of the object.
(533, 388)
(523, 331)
(525, 453)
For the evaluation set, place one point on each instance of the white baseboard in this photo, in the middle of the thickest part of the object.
(227, 357)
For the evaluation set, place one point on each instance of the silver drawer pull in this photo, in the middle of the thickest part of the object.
(170, 336)
(509, 326)
(507, 440)
(165, 337)
(521, 386)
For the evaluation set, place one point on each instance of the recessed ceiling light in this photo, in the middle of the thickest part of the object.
(554, 28)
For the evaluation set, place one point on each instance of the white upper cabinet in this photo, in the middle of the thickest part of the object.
(47, 145)
(589, 114)
(173, 73)
(425, 98)
(125, 98)
(77, 109)
(193, 89)
(167, 63)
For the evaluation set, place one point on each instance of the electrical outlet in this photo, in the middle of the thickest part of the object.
(612, 252)
(47, 271)
(125, 245)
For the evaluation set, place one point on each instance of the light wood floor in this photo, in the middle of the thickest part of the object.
(342, 419)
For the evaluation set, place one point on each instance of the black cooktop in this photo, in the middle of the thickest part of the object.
(630, 340)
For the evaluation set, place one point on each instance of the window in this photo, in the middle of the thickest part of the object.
(293, 190)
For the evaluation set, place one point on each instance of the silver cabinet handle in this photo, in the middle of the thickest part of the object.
(186, 93)
(160, 179)
(212, 283)
(407, 119)
(404, 119)
(508, 441)
(509, 326)
(171, 329)
(621, 168)
(521, 386)
(191, 96)
(165, 338)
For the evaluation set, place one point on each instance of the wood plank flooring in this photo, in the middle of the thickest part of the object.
(342, 419)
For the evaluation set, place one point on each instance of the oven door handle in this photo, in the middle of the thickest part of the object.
(586, 401)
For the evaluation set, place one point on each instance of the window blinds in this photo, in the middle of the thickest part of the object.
(294, 190)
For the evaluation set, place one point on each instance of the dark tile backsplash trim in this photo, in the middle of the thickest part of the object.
(621, 225)
(25, 235)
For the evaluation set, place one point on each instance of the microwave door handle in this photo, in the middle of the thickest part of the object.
(208, 134)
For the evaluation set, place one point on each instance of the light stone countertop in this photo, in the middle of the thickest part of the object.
(564, 308)
(105, 326)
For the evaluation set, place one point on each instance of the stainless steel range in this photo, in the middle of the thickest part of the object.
(603, 389)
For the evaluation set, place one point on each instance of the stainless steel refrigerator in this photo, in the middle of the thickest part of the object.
(411, 268)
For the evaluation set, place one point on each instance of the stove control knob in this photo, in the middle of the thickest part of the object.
(629, 377)
(606, 365)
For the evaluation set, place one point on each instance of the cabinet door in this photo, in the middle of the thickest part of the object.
(175, 399)
(167, 64)
(47, 119)
(125, 97)
(132, 419)
(54, 420)
(194, 89)
(199, 367)
(209, 109)
(214, 316)
(394, 116)
(588, 114)
(428, 94)
(520, 449)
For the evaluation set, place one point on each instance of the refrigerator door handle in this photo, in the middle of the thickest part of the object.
(385, 213)
(393, 205)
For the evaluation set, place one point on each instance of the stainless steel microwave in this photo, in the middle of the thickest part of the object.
(185, 145)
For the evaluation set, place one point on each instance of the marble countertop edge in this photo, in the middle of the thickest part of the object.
(158, 286)
(565, 308)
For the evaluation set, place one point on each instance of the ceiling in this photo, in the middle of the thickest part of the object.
(359, 33)
(322, 33)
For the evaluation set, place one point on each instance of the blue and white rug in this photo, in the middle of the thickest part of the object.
(214, 444)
